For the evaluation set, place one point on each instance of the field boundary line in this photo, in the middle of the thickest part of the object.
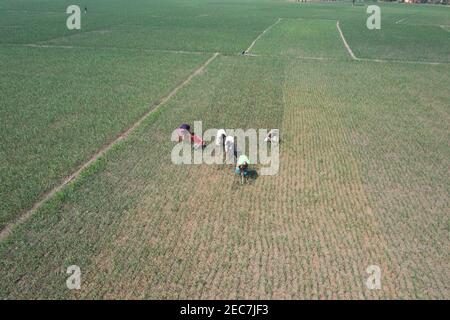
(403, 61)
(403, 19)
(260, 35)
(426, 25)
(345, 42)
(342, 60)
(70, 35)
(34, 45)
(227, 54)
(292, 57)
(6, 231)
(34, 11)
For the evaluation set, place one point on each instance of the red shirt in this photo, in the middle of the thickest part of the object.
(196, 139)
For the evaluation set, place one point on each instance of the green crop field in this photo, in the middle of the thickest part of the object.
(85, 160)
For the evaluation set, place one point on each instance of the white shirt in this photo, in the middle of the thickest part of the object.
(229, 144)
(219, 136)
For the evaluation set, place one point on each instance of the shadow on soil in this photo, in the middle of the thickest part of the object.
(250, 179)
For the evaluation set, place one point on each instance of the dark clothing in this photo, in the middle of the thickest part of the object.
(186, 127)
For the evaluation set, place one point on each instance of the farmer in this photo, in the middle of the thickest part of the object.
(242, 166)
(272, 136)
(220, 137)
(197, 142)
(230, 148)
(183, 132)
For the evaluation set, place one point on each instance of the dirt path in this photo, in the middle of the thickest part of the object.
(35, 45)
(261, 34)
(247, 54)
(345, 42)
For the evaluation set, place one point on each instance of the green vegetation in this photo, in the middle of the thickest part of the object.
(303, 38)
(364, 155)
(398, 39)
(75, 100)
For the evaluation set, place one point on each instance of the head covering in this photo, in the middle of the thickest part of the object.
(185, 126)
(243, 159)
(229, 140)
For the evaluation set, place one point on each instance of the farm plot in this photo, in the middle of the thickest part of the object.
(28, 22)
(213, 29)
(75, 101)
(138, 184)
(398, 41)
(302, 38)
(433, 16)
(309, 232)
(168, 38)
(373, 170)
(25, 27)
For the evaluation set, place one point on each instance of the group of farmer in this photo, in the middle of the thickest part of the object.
(227, 142)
